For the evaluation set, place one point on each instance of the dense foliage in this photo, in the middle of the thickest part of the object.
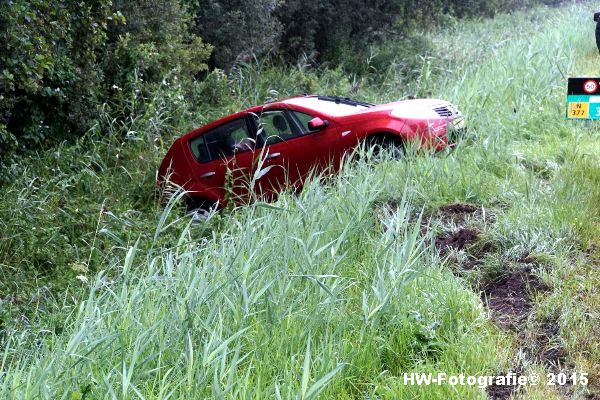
(48, 69)
(335, 32)
(61, 60)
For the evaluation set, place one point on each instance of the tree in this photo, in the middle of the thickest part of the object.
(238, 29)
(48, 69)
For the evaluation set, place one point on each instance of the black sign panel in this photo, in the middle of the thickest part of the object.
(583, 86)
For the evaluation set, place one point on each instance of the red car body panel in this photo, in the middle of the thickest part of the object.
(287, 162)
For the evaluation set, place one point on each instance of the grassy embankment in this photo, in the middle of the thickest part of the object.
(332, 292)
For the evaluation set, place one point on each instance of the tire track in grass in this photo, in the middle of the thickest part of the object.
(508, 297)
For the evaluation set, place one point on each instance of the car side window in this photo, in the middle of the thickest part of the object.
(224, 141)
(303, 119)
(274, 126)
(199, 150)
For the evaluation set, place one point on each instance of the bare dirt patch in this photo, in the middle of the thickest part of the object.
(457, 240)
(541, 342)
(465, 236)
(458, 209)
(509, 298)
(500, 392)
(460, 213)
(467, 239)
(551, 353)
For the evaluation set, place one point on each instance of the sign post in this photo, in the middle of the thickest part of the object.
(583, 98)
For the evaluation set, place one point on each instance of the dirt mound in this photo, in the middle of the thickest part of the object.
(456, 240)
(548, 351)
(457, 212)
(500, 392)
(509, 298)
(458, 208)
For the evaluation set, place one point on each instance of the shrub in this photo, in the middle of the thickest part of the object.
(62, 59)
(155, 41)
(48, 69)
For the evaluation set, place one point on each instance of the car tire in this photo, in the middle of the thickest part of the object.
(386, 144)
(200, 208)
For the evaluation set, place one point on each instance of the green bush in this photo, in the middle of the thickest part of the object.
(49, 79)
(214, 90)
(61, 60)
(155, 41)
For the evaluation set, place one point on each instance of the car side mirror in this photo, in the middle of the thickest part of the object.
(316, 124)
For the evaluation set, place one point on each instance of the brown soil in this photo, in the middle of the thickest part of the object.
(457, 212)
(456, 240)
(500, 392)
(465, 236)
(552, 354)
(458, 208)
(509, 298)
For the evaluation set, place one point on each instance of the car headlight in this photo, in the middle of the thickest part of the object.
(458, 123)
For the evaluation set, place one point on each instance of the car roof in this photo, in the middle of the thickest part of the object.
(329, 105)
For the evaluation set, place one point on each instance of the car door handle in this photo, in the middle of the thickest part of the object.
(208, 174)
(272, 155)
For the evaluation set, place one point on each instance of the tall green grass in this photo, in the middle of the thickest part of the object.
(311, 295)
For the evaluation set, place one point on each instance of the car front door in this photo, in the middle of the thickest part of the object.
(221, 162)
(323, 150)
(289, 150)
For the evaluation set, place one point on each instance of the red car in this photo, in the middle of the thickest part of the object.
(266, 148)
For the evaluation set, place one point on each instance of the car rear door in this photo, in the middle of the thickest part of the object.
(221, 161)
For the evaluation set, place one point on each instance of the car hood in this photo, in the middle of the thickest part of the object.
(416, 109)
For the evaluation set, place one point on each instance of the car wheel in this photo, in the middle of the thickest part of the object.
(386, 144)
(199, 208)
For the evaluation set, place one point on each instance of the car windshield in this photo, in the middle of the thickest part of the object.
(336, 106)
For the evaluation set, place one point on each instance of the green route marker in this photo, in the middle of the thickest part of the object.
(583, 98)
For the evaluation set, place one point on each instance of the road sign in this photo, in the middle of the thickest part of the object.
(583, 98)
